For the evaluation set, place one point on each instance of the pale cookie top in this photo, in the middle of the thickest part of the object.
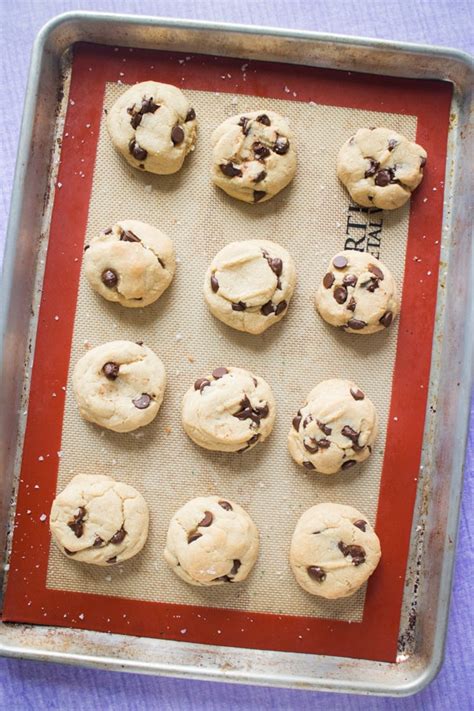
(253, 155)
(229, 411)
(98, 520)
(131, 263)
(249, 284)
(211, 541)
(153, 126)
(119, 385)
(334, 550)
(380, 168)
(335, 428)
(358, 293)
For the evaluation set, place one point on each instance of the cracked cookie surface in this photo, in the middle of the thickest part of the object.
(131, 263)
(98, 520)
(119, 385)
(153, 126)
(254, 155)
(358, 293)
(230, 410)
(249, 284)
(335, 429)
(211, 541)
(334, 550)
(380, 168)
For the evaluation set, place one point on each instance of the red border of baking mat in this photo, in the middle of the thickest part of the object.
(27, 598)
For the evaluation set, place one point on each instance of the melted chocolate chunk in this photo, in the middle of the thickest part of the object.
(177, 135)
(392, 144)
(422, 161)
(328, 280)
(360, 524)
(372, 284)
(252, 440)
(129, 236)
(109, 278)
(267, 309)
(136, 120)
(66, 550)
(357, 553)
(108, 231)
(214, 284)
(324, 428)
(324, 443)
(194, 536)
(350, 280)
(207, 520)
(263, 118)
(77, 523)
(219, 373)
(98, 542)
(384, 177)
(142, 401)
(260, 151)
(350, 433)
(316, 573)
(340, 261)
(281, 146)
(118, 536)
(280, 307)
(296, 422)
(230, 170)
(307, 420)
(239, 306)
(377, 271)
(311, 445)
(357, 394)
(244, 123)
(340, 294)
(236, 563)
(372, 169)
(258, 195)
(386, 319)
(111, 370)
(225, 505)
(348, 464)
(276, 265)
(190, 116)
(136, 150)
(112, 560)
(351, 306)
(261, 176)
(356, 324)
(201, 384)
(309, 465)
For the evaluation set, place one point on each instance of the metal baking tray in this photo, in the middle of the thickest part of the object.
(433, 538)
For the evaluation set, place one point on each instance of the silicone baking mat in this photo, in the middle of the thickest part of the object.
(313, 218)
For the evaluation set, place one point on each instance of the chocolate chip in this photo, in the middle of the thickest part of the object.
(109, 278)
(360, 524)
(262, 412)
(161, 262)
(66, 550)
(377, 271)
(112, 560)
(386, 319)
(230, 170)
(239, 306)
(263, 118)
(422, 161)
(392, 143)
(258, 195)
(190, 116)
(350, 280)
(352, 304)
(118, 536)
(281, 145)
(260, 150)
(384, 177)
(352, 435)
(357, 394)
(328, 280)
(136, 150)
(244, 123)
(350, 463)
(98, 541)
(324, 443)
(296, 422)
(340, 261)
(111, 370)
(252, 440)
(356, 324)
(307, 420)
(372, 285)
(267, 309)
(261, 176)
(324, 428)
(311, 445)
(224, 578)
(276, 265)
(148, 106)
(129, 236)
(214, 284)
(136, 120)
(340, 294)
(219, 373)
(201, 383)
(207, 520)
(194, 536)
(308, 465)
(225, 505)
(77, 523)
(177, 135)
(142, 401)
(280, 308)
(235, 567)
(372, 169)
(357, 553)
(317, 573)
(139, 343)
(108, 231)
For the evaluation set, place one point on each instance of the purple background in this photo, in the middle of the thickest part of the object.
(28, 685)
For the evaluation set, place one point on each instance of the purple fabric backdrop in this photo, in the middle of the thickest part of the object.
(26, 685)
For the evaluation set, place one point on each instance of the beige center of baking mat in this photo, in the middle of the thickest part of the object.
(309, 218)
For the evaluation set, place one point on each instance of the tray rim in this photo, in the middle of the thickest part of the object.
(427, 672)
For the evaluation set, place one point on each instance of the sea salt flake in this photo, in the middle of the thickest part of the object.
(43, 517)
(81, 616)
(287, 91)
(183, 631)
(41, 459)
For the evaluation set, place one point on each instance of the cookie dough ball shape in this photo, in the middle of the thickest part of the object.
(254, 156)
(131, 263)
(119, 385)
(334, 550)
(230, 410)
(335, 429)
(153, 126)
(358, 293)
(380, 168)
(211, 541)
(98, 520)
(249, 284)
